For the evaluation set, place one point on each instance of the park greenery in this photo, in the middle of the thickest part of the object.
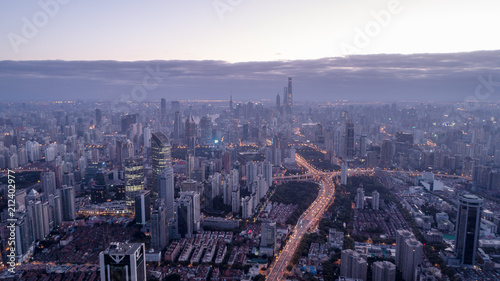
(301, 194)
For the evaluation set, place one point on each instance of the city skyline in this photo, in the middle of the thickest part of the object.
(249, 140)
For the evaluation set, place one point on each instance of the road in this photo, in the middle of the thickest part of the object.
(309, 220)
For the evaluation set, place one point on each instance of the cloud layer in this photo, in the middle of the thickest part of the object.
(417, 77)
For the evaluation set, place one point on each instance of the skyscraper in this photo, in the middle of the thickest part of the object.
(38, 214)
(337, 141)
(166, 191)
(68, 203)
(127, 121)
(469, 211)
(48, 180)
(289, 100)
(268, 235)
(163, 109)
(411, 258)
(159, 230)
(401, 236)
(349, 140)
(98, 117)
(278, 101)
(386, 153)
(161, 158)
(235, 200)
(190, 134)
(353, 265)
(177, 125)
(143, 207)
(206, 127)
(134, 178)
(384, 271)
(267, 172)
(184, 216)
(196, 211)
(362, 146)
(123, 261)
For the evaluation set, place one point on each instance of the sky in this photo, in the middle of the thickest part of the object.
(226, 34)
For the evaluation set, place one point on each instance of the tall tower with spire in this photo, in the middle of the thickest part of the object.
(231, 103)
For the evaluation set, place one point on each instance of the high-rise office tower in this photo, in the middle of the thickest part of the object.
(411, 258)
(278, 101)
(143, 207)
(177, 125)
(384, 271)
(349, 140)
(362, 146)
(163, 109)
(289, 100)
(161, 158)
(360, 199)
(127, 121)
(184, 216)
(98, 117)
(469, 211)
(337, 141)
(386, 153)
(123, 261)
(196, 211)
(231, 103)
(134, 178)
(127, 150)
(159, 229)
(190, 134)
(146, 135)
(68, 203)
(375, 200)
(206, 127)
(48, 180)
(166, 191)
